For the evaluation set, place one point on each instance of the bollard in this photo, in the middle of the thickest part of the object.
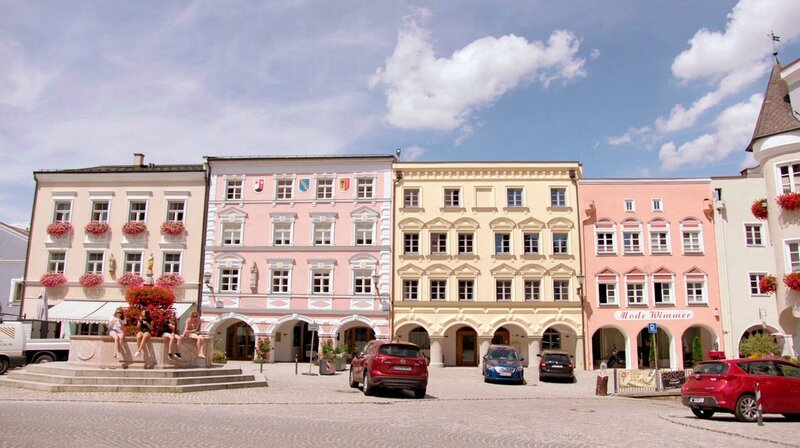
(759, 411)
(295, 364)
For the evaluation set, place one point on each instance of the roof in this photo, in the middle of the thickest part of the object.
(22, 233)
(300, 157)
(776, 114)
(149, 168)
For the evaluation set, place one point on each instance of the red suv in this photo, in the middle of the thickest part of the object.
(390, 365)
(730, 386)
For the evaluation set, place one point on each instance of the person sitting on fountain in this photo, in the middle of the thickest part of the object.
(170, 333)
(192, 331)
(116, 329)
(144, 332)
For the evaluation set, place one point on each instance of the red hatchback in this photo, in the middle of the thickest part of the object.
(730, 386)
(390, 365)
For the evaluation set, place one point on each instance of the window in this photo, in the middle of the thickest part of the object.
(438, 243)
(691, 242)
(752, 235)
(635, 293)
(280, 281)
(607, 293)
(695, 291)
(284, 190)
(231, 234)
(632, 242)
(560, 290)
(503, 290)
(502, 243)
(790, 178)
(754, 280)
(658, 205)
(466, 243)
(630, 205)
(94, 262)
(466, 290)
(321, 281)
(62, 211)
(362, 281)
(659, 242)
(411, 243)
(324, 188)
(551, 340)
(365, 188)
(452, 197)
(57, 262)
(514, 197)
(176, 210)
(605, 242)
(410, 289)
(100, 211)
(233, 189)
(530, 243)
(282, 234)
(229, 279)
(137, 211)
(717, 195)
(438, 289)
(411, 197)
(172, 263)
(558, 197)
(794, 256)
(133, 263)
(559, 243)
(323, 233)
(364, 233)
(533, 290)
(662, 292)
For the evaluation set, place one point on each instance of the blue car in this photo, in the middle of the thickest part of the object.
(501, 363)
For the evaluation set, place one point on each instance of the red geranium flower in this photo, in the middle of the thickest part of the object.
(59, 228)
(97, 228)
(759, 208)
(789, 201)
(130, 280)
(134, 228)
(768, 284)
(51, 279)
(91, 279)
(792, 280)
(172, 228)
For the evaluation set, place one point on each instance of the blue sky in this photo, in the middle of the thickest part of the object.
(631, 89)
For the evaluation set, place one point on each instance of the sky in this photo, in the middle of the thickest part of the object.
(628, 88)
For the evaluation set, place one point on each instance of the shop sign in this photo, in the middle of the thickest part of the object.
(672, 379)
(637, 378)
(654, 315)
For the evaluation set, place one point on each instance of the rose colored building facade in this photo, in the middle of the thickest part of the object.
(297, 243)
(649, 257)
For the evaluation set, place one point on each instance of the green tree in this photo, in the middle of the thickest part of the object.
(697, 350)
(652, 355)
(759, 344)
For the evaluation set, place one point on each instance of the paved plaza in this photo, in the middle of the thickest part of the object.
(313, 411)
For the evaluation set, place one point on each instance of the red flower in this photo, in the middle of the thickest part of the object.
(170, 281)
(768, 284)
(51, 279)
(789, 201)
(130, 280)
(134, 228)
(172, 228)
(158, 301)
(759, 208)
(59, 228)
(97, 228)
(792, 280)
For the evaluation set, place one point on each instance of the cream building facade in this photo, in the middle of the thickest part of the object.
(487, 252)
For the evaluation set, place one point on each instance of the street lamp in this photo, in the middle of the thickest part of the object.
(207, 282)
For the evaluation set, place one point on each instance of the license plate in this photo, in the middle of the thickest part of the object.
(557, 366)
(403, 368)
(696, 400)
(505, 374)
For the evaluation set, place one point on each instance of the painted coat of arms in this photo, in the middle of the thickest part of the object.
(304, 184)
(344, 184)
(258, 185)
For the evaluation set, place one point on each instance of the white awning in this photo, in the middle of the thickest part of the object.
(98, 311)
(105, 312)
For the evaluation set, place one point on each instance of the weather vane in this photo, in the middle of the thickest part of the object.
(774, 39)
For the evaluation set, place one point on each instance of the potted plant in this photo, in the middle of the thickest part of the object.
(59, 228)
(130, 280)
(768, 284)
(759, 208)
(172, 228)
(262, 352)
(792, 280)
(327, 359)
(91, 279)
(341, 357)
(133, 228)
(97, 228)
(52, 279)
(170, 280)
(789, 201)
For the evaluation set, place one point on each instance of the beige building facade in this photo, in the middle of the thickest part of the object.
(487, 253)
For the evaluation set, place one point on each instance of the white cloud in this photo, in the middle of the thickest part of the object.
(426, 92)
(733, 129)
(595, 53)
(21, 84)
(413, 153)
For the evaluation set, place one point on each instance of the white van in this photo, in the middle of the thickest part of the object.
(25, 342)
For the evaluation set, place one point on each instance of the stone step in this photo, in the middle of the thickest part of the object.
(128, 380)
(48, 387)
(66, 369)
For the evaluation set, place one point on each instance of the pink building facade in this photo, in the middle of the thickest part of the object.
(297, 250)
(649, 257)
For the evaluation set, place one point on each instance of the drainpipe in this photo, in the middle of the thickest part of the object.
(573, 175)
(28, 251)
(200, 276)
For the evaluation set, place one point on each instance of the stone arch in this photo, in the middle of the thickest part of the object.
(356, 318)
(275, 325)
(557, 320)
(466, 224)
(410, 224)
(459, 320)
(560, 223)
(212, 326)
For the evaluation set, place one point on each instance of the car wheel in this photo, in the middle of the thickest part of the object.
(353, 381)
(368, 389)
(746, 408)
(3, 366)
(420, 392)
(704, 414)
(485, 380)
(44, 358)
(792, 417)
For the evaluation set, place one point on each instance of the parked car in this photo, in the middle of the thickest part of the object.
(390, 365)
(501, 363)
(556, 364)
(730, 386)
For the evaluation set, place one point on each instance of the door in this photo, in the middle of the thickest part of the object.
(790, 388)
(466, 347)
(501, 336)
(357, 338)
(765, 373)
(240, 342)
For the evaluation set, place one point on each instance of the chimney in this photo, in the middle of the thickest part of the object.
(138, 159)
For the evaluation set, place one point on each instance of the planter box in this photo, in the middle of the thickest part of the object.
(341, 363)
(327, 367)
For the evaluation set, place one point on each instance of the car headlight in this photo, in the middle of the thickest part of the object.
(520, 369)
(489, 367)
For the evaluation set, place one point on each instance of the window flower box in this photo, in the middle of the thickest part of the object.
(134, 228)
(792, 280)
(52, 279)
(759, 208)
(130, 280)
(789, 201)
(768, 284)
(91, 279)
(169, 281)
(59, 228)
(97, 228)
(172, 228)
